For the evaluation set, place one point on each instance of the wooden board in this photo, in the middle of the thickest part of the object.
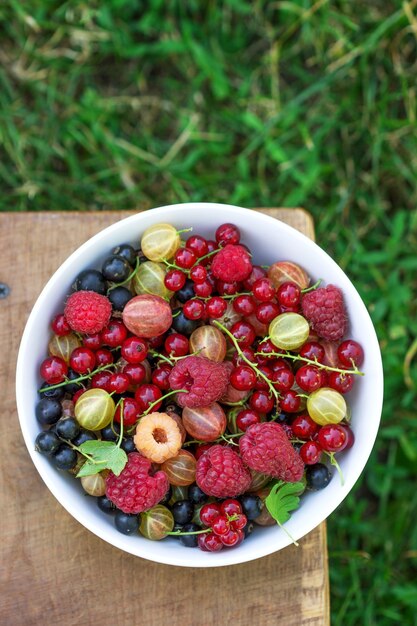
(53, 571)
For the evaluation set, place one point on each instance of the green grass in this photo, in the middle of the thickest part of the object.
(108, 105)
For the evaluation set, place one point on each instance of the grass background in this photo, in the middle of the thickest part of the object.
(118, 104)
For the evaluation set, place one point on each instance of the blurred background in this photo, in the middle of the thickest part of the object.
(123, 104)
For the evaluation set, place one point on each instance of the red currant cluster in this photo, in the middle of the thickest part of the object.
(226, 521)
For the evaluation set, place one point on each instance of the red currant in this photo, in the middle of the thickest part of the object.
(266, 347)
(310, 452)
(243, 378)
(197, 244)
(350, 437)
(231, 538)
(263, 290)
(244, 333)
(240, 522)
(146, 395)
(282, 379)
(227, 289)
(267, 311)
(246, 418)
(134, 350)
(82, 360)
(92, 341)
(201, 448)
(256, 273)
(104, 357)
(261, 401)
(77, 395)
(194, 309)
(60, 325)
(310, 378)
(101, 380)
(231, 507)
(198, 274)
(332, 437)
(290, 401)
(227, 233)
(289, 294)
(136, 373)
(119, 382)
(221, 525)
(304, 427)
(174, 280)
(160, 376)
(114, 334)
(279, 364)
(131, 412)
(156, 342)
(261, 382)
(176, 345)
(53, 370)
(216, 307)
(312, 350)
(244, 305)
(209, 542)
(349, 351)
(185, 258)
(209, 513)
(203, 290)
(341, 382)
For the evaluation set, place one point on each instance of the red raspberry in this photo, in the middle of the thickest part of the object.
(325, 310)
(232, 263)
(136, 489)
(221, 473)
(205, 381)
(87, 312)
(265, 448)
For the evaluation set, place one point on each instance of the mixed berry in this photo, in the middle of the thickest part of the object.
(190, 391)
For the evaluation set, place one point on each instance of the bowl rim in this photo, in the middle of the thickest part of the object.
(112, 536)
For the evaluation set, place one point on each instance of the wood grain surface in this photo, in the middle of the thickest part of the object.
(53, 571)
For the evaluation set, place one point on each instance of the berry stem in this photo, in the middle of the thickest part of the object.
(247, 361)
(177, 533)
(129, 278)
(218, 440)
(171, 359)
(185, 230)
(206, 256)
(79, 379)
(336, 465)
(316, 284)
(170, 393)
(297, 357)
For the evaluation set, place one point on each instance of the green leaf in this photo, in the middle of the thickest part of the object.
(102, 455)
(282, 499)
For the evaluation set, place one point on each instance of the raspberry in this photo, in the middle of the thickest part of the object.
(325, 310)
(266, 449)
(205, 380)
(221, 473)
(232, 263)
(136, 489)
(87, 312)
(158, 437)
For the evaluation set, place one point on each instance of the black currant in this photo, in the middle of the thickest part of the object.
(47, 442)
(125, 523)
(167, 497)
(119, 297)
(196, 495)
(90, 280)
(116, 269)
(186, 293)
(84, 435)
(183, 511)
(54, 394)
(48, 411)
(189, 541)
(65, 458)
(318, 476)
(111, 432)
(128, 445)
(72, 387)
(105, 505)
(182, 324)
(127, 252)
(248, 530)
(67, 428)
(251, 505)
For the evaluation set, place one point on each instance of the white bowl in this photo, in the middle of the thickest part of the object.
(269, 240)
